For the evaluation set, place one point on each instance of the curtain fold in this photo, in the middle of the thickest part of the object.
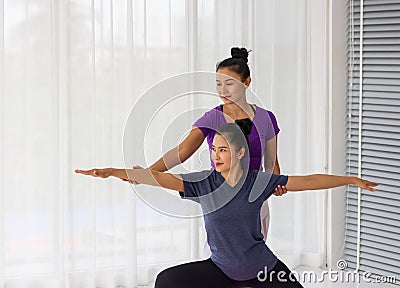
(71, 71)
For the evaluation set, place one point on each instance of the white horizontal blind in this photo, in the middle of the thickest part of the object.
(373, 219)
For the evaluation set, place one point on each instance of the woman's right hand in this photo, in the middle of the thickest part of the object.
(280, 190)
(96, 172)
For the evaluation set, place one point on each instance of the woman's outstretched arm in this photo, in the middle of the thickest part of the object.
(143, 176)
(324, 181)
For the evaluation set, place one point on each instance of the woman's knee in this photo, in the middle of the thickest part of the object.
(164, 279)
(170, 277)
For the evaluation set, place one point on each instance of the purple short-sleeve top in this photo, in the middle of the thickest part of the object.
(265, 127)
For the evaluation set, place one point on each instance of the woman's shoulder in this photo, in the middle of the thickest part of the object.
(265, 111)
(216, 109)
(209, 118)
(266, 118)
(213, 111)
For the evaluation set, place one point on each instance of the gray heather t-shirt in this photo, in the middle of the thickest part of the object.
(232, 219)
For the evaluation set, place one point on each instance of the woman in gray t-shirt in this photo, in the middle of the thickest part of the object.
(231, 198)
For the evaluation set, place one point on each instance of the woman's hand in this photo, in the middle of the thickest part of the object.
(97, 172)
(280, 190)
(105, 173)
(365, 184)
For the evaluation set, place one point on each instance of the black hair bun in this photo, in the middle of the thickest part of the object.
(240, 53)
(245, 125)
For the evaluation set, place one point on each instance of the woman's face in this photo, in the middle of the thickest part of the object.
(223, 156)
(229, 86)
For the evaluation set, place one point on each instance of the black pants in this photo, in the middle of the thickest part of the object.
(205, 274)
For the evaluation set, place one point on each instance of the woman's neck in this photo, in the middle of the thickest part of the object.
(238, 110)
(233, 175)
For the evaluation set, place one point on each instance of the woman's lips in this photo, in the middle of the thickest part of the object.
(218, 164)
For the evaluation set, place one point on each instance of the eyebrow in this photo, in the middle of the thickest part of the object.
(230, 79)
(212, 146)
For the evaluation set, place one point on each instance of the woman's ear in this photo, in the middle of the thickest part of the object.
(241, 153)
(247, 81)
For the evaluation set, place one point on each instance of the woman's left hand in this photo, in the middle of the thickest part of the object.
(365, 184)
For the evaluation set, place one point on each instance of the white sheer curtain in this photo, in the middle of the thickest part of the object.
(290, 70)
(70, 73)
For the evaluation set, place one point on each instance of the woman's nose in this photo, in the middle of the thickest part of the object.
(224, 88)
(221, 88)
(215, 155)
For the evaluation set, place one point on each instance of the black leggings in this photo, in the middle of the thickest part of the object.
(205, 274)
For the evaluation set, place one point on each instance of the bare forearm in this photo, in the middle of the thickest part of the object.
(269, 167)
(168, 161)
(138, 175)
(144, 176)
(277, 168)
(318, 182)
(271, 163)
(150, 177)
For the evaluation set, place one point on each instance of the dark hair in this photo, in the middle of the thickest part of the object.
(237, 63)
(236, 133)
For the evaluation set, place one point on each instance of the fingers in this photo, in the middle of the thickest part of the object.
(280, 190)
(130, 181)
(367, 185)
(370, 185)
(369, 188)
(373, 184)
(91, 172)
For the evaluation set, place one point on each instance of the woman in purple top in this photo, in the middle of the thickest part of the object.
(232, 80)
(231, 198)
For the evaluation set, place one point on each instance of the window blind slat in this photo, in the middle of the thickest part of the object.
(370, 227)
(378, 121)
(376, 147)
(376, 22)
(377, 107)
(378, 2)
(368, 94)
(370, 202)
(372, 167)
(372, 127)
(381, 7)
